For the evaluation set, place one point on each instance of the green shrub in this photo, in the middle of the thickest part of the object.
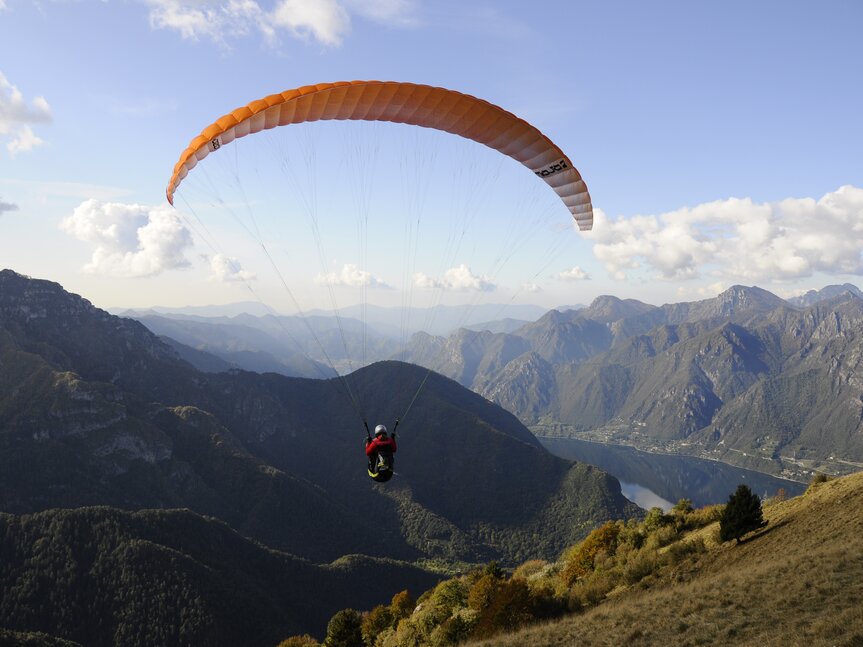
(592, 590)
(375, 622)
(679, 550)
(682, 507)
(345, 630)
(656, 519)
(580, 561)
(662, 537)
(817, 480)
(530, 569)
(455, 629)
(705, 516)
(640, 566)
(482, 592)
(402, 606)
(510, 607)
(633, 534)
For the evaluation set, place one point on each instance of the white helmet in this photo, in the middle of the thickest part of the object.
(380, 429)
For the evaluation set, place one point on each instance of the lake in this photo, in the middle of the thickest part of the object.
(661, 480)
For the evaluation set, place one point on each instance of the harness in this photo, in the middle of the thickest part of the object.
(382, 468)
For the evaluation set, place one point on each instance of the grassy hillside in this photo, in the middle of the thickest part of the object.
(798, 582)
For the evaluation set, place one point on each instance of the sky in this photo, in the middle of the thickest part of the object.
(720, 141)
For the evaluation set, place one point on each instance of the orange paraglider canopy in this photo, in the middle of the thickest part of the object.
(408, 103)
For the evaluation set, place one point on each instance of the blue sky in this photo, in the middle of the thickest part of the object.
(721, 143)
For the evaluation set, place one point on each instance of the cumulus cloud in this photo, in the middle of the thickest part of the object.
(129, 240)
(17, 116)
(459, 279)
(738, 239)
(573, 274)
(531, 287)
(7, 206)
(229, 270)
(325, 21)
(687, 293)
(351, 276)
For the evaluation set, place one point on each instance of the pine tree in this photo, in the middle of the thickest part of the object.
(742, 514)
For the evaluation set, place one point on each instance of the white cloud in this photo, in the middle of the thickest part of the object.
(325, 21)
(129, 240)
(17, 116)
(737, 239)
(573, 274)
(531, 287)
(7, 206)
(217, 20)
(228, 270)
(687, 293)
(351, 276)
(23, 140)
(459, 279)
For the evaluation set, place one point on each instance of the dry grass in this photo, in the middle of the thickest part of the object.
(797, 582)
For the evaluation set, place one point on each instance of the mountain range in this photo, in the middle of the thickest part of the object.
(100, 418)
(746, 377)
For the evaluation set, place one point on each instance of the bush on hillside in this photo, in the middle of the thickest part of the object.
(345, 630)
(508, 607)
(375, 622)
(530, 569)
(682, 507)
(656, 519)
(817, 480)
(402, 606)
(580, 561)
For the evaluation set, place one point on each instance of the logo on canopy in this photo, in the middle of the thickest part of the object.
(551, 169)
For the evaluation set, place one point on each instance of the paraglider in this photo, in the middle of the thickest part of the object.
(402, 103)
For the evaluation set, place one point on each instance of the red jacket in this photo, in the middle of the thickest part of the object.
(378, 444)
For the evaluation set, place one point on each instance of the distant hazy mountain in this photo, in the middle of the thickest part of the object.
(260, 344)
(814, 296)
(744, 377)
(439, 320)
(255, 308)
(394, 322)
(314, 345)
(501, 325)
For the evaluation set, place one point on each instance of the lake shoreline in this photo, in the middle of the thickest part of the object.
(636, 448)
(666, 477)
